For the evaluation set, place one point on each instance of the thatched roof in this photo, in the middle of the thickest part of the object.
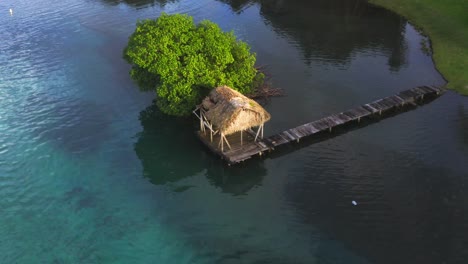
(229, 111)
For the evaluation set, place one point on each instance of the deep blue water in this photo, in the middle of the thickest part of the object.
(91, 172)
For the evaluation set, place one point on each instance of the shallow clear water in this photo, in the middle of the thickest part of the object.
(91, 172)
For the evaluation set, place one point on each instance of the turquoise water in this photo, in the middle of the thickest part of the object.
(91, 172)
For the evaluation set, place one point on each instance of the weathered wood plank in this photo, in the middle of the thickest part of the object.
(295, 133)
(377, 106)
(437, 90)
(319, 125)
(277, 140)
(390, 101)
(309, 127)
(357, 112)
(330, 122)
(398, 99)
(338, 119)
(288, 135)
(370, 108)
(426, 90)
(344, 117)
(409, 96)
(403, 101)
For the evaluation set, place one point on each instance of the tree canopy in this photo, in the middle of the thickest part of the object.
(182, 61)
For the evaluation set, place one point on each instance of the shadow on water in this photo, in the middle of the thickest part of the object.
(236, 180)
(170, 152)
(140, 3)
(332, 31)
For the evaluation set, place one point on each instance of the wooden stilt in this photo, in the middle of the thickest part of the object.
(256, 135)
(262, 132)
(227, 142)
(202, 126)
(242, 142)
(222, 142)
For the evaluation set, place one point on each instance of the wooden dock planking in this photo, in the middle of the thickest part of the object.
(425, 89)
(276, 140)
(396, 100)
(250, 148)
(433, 88)
(357, 113)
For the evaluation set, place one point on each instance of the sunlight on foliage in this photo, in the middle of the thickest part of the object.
(182, 61)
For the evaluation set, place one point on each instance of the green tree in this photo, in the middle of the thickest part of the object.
(182, 61)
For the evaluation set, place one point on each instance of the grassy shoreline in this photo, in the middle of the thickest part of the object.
(446, 23)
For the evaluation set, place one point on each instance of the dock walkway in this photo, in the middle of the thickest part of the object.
(240, 152)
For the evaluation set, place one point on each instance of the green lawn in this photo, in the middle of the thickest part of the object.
(446, 23)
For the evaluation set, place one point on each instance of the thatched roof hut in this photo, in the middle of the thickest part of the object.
(227, 111)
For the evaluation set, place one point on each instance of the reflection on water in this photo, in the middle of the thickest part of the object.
(144, 190)
(239, 179)
(140, 3)
(184, 155)
(333, 31)
(238, 5)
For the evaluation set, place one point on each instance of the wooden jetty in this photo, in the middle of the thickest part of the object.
(250, 146)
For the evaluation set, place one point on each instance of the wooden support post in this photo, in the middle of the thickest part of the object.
(241, 139)
(256, 135)
(222, 142)
(227, 142)
(202, 126)
(201, 123)
(380, 112)
(262, 131)
(359, 119)
(330, 129)
(211, 135)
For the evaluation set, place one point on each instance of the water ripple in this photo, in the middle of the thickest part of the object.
(86, 178)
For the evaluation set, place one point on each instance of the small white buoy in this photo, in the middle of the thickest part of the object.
(354, 203)
(11, 12)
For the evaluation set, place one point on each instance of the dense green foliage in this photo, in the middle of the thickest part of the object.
(446, 23)
(182, 61)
